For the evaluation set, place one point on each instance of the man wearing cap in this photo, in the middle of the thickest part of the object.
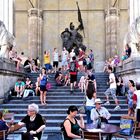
(99, 111)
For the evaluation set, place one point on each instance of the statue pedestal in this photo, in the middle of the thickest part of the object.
(130, 70)
(8, 76)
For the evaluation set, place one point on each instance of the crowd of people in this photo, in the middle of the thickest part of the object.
(66, 67)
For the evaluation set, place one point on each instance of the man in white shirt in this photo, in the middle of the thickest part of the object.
(99, 111)
(112, 89)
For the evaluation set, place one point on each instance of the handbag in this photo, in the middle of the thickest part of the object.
(104, 120)
(126, 126)
(48, 86)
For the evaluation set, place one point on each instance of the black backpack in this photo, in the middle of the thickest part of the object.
(73, 67)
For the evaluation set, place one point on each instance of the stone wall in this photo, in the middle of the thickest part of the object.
(57, 14)
(8, 75)
(130, 70)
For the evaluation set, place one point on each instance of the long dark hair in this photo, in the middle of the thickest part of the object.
(90, 90)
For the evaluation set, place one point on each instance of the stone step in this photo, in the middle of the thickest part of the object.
(55, 111)
(59, 99)
(57, 96)
(62, 101)
(56, 106)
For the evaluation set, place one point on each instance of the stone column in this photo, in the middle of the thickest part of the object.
(134, 11)
(111, 32)
(34, 32)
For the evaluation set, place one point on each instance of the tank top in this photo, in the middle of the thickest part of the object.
(43, 81)
(74, 129)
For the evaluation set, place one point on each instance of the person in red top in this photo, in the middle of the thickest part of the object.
(73, 69)
(136, 102)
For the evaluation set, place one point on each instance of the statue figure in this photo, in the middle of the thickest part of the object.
(7, 41)
(132, 38)
(66, 38)
(72, 39)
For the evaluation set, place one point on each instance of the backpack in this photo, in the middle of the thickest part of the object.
(73, 67)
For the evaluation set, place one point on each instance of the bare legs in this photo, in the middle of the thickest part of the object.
(43, 97)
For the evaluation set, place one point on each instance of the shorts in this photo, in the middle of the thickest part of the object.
(138, 115)
(80, 63)
(73, 78)
(43, 88)
(111, 91)
(55, 64)
(64, 63)
(48, 66)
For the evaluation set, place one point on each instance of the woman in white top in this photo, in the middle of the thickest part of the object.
(89, 101)
(72, 53)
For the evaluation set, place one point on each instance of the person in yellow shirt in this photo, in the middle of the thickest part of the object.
(47, 61)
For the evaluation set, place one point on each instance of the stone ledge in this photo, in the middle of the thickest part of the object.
(130, 69)
(8, 76)
(8, 66)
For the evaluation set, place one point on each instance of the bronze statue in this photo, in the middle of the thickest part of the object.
(72, 39)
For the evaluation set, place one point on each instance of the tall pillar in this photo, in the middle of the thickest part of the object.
(35, 22)
(112, 27)
(134, 11)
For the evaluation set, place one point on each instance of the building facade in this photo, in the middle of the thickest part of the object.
(57, 15)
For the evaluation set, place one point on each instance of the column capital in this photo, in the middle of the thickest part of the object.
(35, 12)
(112, 11)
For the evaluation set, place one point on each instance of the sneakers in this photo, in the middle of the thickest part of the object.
(117, 107)
(107, 103)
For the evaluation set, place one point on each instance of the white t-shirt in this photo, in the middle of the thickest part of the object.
(112, 77)
(103, 112)
(71, 55)
(55, 56)
(90, 102)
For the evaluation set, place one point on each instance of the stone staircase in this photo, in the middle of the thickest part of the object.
(58, 100)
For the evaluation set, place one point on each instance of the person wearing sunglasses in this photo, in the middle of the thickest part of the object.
(99, 112)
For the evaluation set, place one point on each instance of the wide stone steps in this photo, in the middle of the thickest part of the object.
(63, 101)
(58, 101)
(55, 111)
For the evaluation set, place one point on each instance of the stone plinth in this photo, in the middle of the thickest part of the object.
(34, 32)
(8, 76)
(130, 69)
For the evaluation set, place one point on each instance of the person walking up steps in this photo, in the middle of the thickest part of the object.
(112, 89)
(73, 69)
